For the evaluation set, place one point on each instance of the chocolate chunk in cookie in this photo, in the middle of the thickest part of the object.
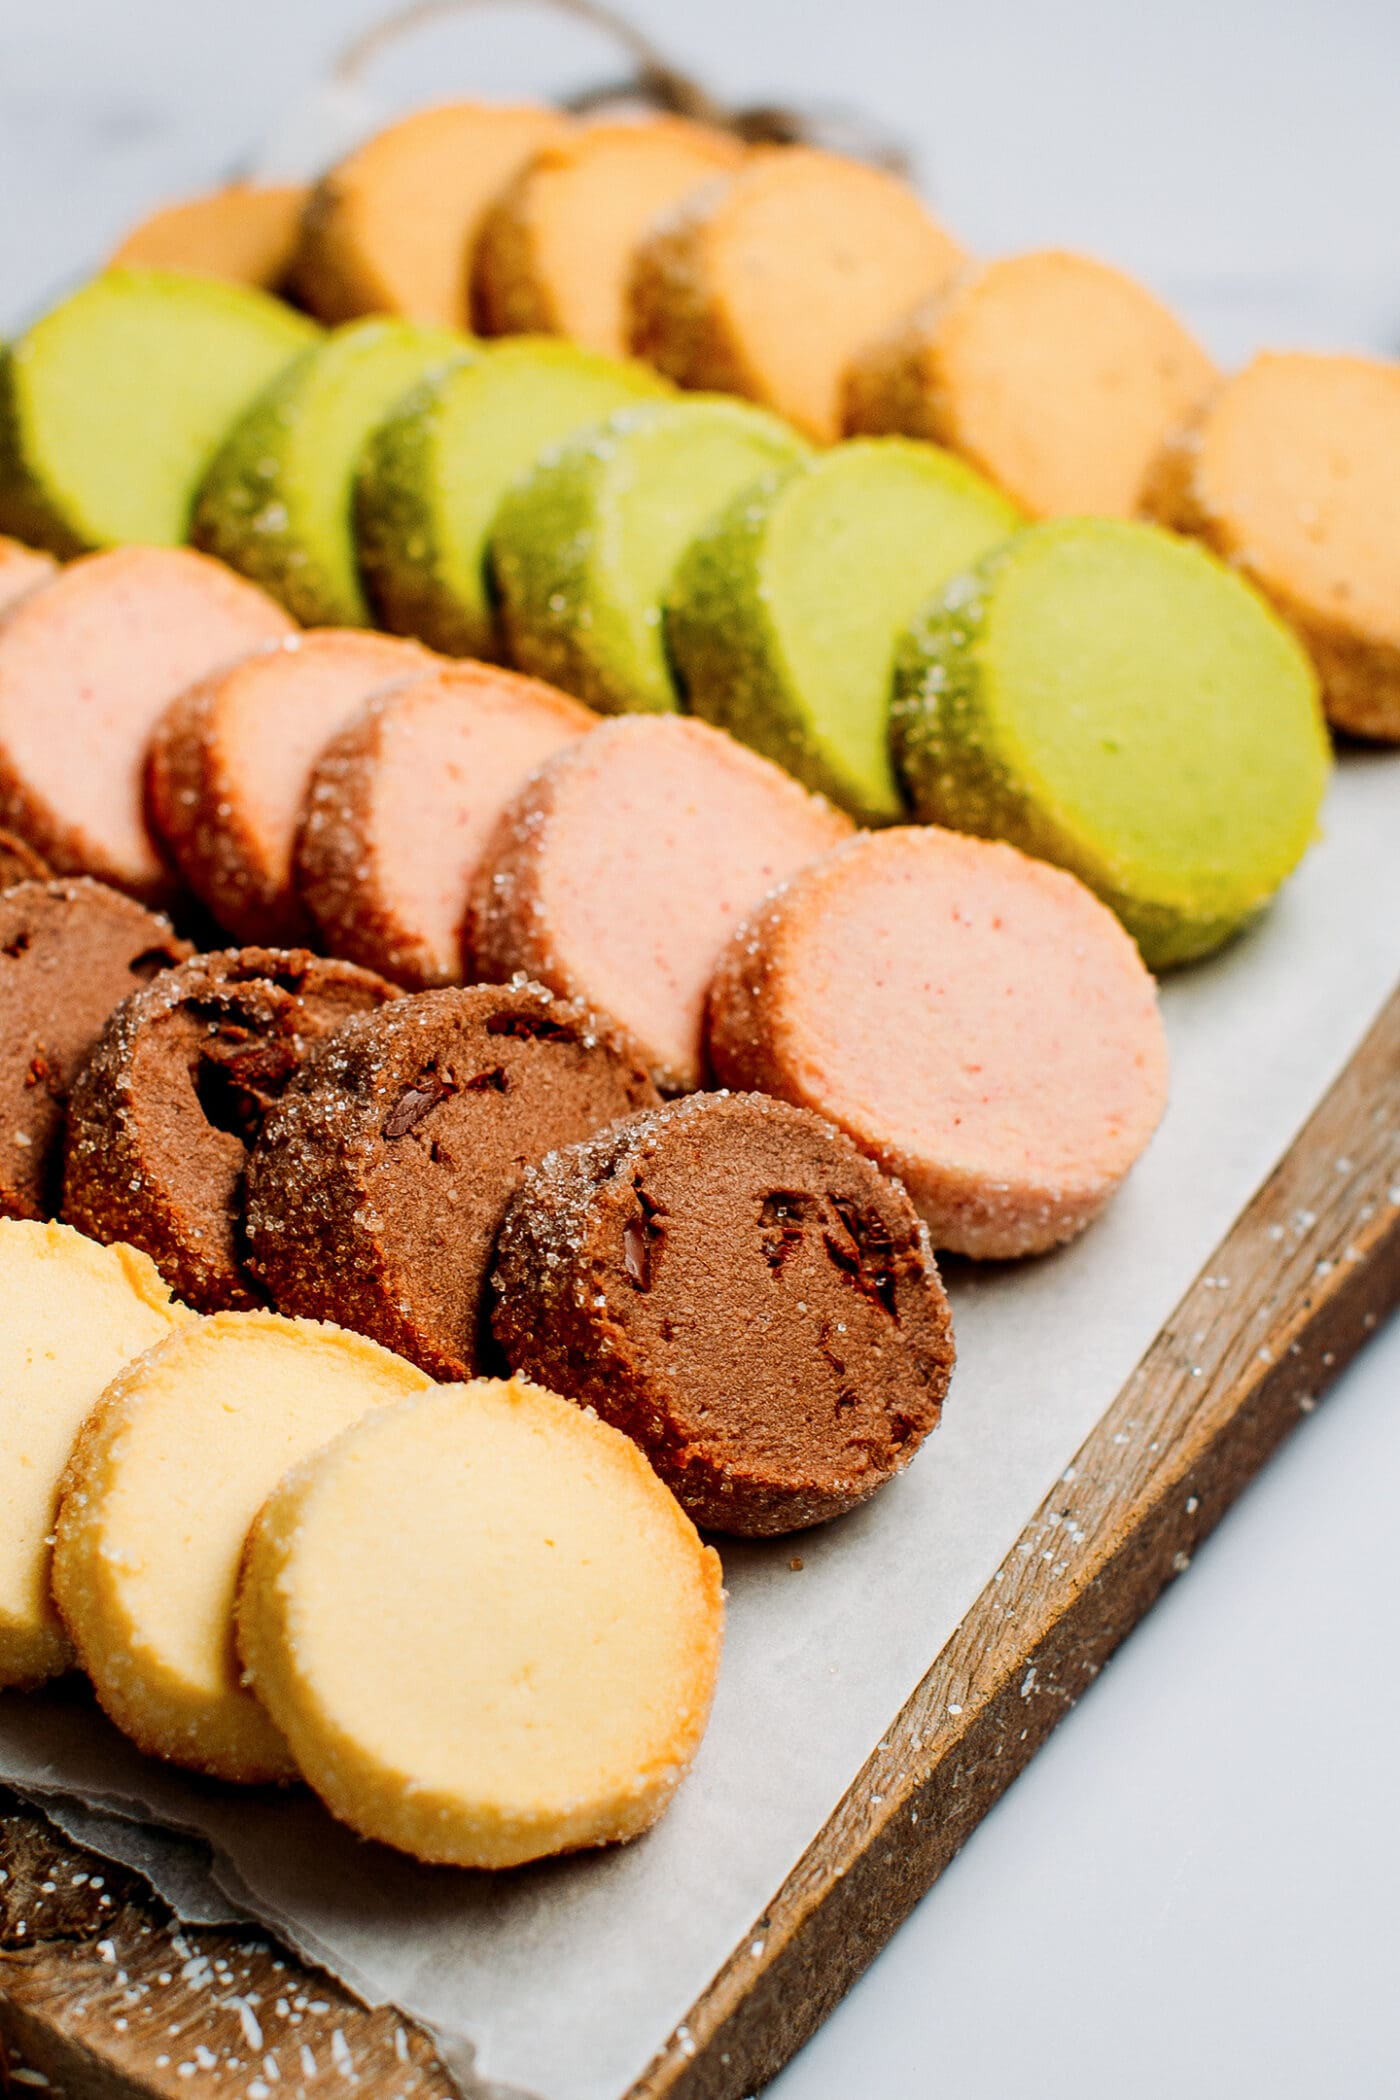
(729, 1282)
(162, 1118)
(377, 1188)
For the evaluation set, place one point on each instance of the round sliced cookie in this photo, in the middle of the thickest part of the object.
(401, 806)
(19, 862)
(167, 1475)
(769, 281)
(731, 1284)
(1057, 377)
(393, 226)
(1292, 473)
(87, 664)
(113, 405)
(230, 767)
(434, 476)
(584, 549)
(278, 501)
(784, 617)
(162, 1116)
(621, 868)
(485, 1629)
(71, 1315)
(555, 253)
(976, 1021)
(379, 1182)
(22, 569)
(69, 953)
(1114, 699)
(244, 233)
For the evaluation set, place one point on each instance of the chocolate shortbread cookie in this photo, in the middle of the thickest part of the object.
(729, 1282)
(378, 1185)
(163, 1115)
(19, 862)
(69, 952)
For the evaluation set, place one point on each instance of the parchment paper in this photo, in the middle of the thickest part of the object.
(564, 1979)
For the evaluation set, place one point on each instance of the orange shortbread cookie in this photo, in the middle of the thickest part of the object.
(1058, 377)
(393, 227)
(1292, 472)
(555, 255)
(770, 282)
(246, 233)
(484, 1627)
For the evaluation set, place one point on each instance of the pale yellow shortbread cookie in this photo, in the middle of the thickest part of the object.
(71, 1314)
(485, 1628)
(168, 1474)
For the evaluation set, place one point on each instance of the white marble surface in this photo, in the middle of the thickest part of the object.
(1191, 1890)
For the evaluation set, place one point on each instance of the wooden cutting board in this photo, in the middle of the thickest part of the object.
(103, 1993)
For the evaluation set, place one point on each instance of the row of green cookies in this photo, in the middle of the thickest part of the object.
(1103, 694)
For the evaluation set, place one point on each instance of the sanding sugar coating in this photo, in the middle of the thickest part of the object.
(1114, 699)
(230, 766)
(162, 1116)
(729, 1282)
(1292, 472)
(70, 951)
(619, 871)
(167, 1475)
(976, 1021)
(485, 1629)
(400, 807)
(377, 1188)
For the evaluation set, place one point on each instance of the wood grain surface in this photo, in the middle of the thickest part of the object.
(111, 1997)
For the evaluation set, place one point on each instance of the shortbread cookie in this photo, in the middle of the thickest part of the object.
(555, 253)
(731, 1284)
(161, 1119)
(584, 549)
(619, 871)
(278, 501)
(1056, 376)
(484, 1628)
(71, 1315)
(22, 569)
(1292, 472)
(434, 475)
(87, 665)
(230, 767)
(245, 233)
(379, 1183)
(113, 405)
(69, 953)
(400, 807)
(392, 228)
(19, 862)
(167, 1475)
(770, 281)
(1109, 697)
(976, 1021)
(783, 618)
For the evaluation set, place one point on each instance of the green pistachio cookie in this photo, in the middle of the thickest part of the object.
(113, 405)
(585, 547)
(434, 475)
(784, 616)
(1113, 698)
(278, 503)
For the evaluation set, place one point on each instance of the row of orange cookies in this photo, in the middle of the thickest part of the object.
(262, 1537)
(769, 267)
